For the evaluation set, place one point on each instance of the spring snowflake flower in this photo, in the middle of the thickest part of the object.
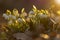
(31, 12)
(12, 16)
(5, 16)
(19, 20)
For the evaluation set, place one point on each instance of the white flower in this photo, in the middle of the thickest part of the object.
(19, 20)
(31, 12)
(10, 16)
(5, 16)
(13, 17)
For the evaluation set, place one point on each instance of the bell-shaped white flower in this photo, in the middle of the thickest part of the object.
(31, 12)
(19, 20)
(10, 16)
(13, 17)
(5, 16)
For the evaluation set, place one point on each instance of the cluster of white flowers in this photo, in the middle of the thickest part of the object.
(12, 17)
(9, 16)
(15, 16)
(23, 20)
(31, 12)
(5, 16)
(19, 20)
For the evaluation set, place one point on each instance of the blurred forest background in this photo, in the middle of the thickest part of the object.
(19, 4)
